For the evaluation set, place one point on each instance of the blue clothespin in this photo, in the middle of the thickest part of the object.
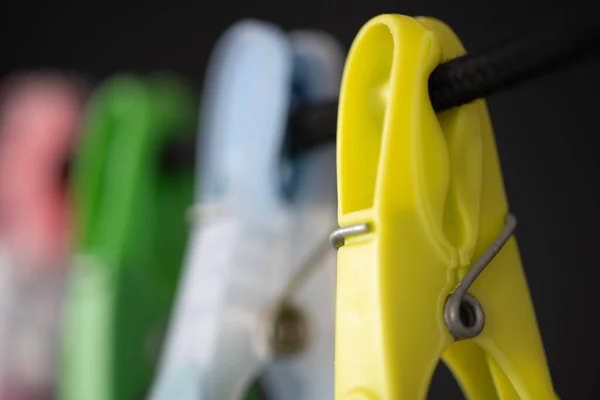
(247, 307)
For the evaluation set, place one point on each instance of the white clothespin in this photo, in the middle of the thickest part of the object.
(261, 224)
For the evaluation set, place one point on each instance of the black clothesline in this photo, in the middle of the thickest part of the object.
(451, 84)
(470, 77)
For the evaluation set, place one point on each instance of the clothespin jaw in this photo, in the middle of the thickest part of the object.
(420, 199)
(130, 234)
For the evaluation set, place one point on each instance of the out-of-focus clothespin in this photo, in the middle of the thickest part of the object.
(40, 114)
(423, 211)
(249, 306)
(130, 234)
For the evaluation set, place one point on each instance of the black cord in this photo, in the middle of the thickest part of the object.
(470, 77)
(451, 84)
(478, 75)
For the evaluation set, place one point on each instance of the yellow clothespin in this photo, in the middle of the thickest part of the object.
(422, 211)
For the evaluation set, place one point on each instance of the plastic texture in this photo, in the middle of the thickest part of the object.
(130, 235)
(431, 189)
(259, 215)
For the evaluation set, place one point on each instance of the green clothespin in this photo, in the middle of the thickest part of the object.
(130, 237)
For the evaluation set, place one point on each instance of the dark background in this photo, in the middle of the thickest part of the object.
(545, 128)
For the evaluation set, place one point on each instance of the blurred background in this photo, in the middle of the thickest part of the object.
(545, 129)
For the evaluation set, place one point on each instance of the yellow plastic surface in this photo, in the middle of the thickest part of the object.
(431, 188)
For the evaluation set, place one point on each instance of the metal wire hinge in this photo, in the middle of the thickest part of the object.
(463, 314)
